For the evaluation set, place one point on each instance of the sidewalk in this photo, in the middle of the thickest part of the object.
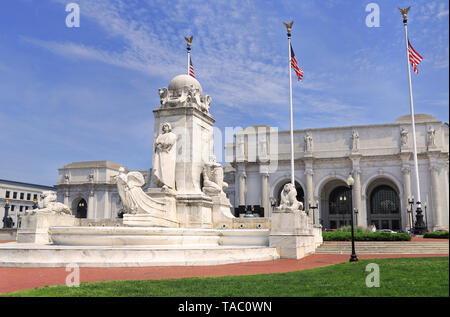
(14, 279)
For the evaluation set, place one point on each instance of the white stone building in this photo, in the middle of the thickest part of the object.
(20, 196)
(378, 156)
(89, 190)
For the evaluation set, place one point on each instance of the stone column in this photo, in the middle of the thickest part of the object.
(242, 183)
(90, 211)
(107, 205)
(436, 198)
(265, 193)
(406, 171)
(309, 198)
(66, 199)
(361, 216)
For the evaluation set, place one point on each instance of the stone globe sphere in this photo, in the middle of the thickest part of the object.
(178, 82)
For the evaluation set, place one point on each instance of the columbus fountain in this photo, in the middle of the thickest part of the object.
(183, 218)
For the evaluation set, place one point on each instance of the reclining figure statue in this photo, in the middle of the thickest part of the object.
(289, 199)
(51, 206)
(134, 199)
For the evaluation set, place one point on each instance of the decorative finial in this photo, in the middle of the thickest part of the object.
(288, 26)
(189, 41)
(404, 12)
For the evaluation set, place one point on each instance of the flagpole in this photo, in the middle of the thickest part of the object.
(419, 220)
(188, 48)
(288, 27)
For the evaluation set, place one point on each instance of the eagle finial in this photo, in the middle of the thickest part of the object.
(288, 26)
(404, 12)
(189, 40)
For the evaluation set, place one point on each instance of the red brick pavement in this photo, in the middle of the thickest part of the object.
(14, 279)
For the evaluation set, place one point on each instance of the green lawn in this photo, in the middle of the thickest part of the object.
(398, 277)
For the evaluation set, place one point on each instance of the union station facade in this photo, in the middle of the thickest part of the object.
(379, 157)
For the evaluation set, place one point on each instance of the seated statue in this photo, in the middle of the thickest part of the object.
(289, 199)
(51, 206)
(213, 183)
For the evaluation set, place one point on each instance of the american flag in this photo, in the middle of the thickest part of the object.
(191, 68)
(414, 57)
(294, 65)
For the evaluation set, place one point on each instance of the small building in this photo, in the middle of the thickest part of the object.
(89, 189)
(21, 196)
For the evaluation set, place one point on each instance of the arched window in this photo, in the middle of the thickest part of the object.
(81, 209)
(384, 200)
(340, 201)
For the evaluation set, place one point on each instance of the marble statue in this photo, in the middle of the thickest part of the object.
(213, 175)
(165, 158)
(134, 199)
(262, 145)
(308, 142)
(188, 95)
(51, 206)
(289, 199)
(404, 137)
(163, 95)
(431, 134)
(355, 141)
(240, 147)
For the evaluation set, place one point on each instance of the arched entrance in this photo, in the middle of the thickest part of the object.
(335, 203)
(339, 207)
(384, 207)
(298, 188)
(81, 209)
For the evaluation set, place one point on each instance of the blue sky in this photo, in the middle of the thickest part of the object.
(87, 93)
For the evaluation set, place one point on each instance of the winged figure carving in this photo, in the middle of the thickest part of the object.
(189, 40)
(404, 12)
(288, 26)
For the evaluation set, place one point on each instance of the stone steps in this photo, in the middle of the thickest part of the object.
(382, 247)
(32, 255)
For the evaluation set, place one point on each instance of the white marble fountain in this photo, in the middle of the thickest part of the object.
(184, 218)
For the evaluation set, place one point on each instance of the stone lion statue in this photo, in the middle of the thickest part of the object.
(51, 206)
(289, 199)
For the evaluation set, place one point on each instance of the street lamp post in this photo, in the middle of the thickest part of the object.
(273, 203)
(35, 205)
(355, 210)
(353, 257)
(6, 222)
(410, 211)
(314, 207)
(426, 218)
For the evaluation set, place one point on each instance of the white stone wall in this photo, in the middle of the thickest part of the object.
(380, 158)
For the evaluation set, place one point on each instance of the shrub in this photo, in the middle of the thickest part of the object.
(436, 235)
(361, 236)
(356, 229)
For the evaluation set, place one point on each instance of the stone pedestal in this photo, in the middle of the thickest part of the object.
(222, 217)
(158, 218)
(35, 227)
(194, 211)
(292, 234)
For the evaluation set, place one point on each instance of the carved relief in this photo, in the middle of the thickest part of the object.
(187, 96)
